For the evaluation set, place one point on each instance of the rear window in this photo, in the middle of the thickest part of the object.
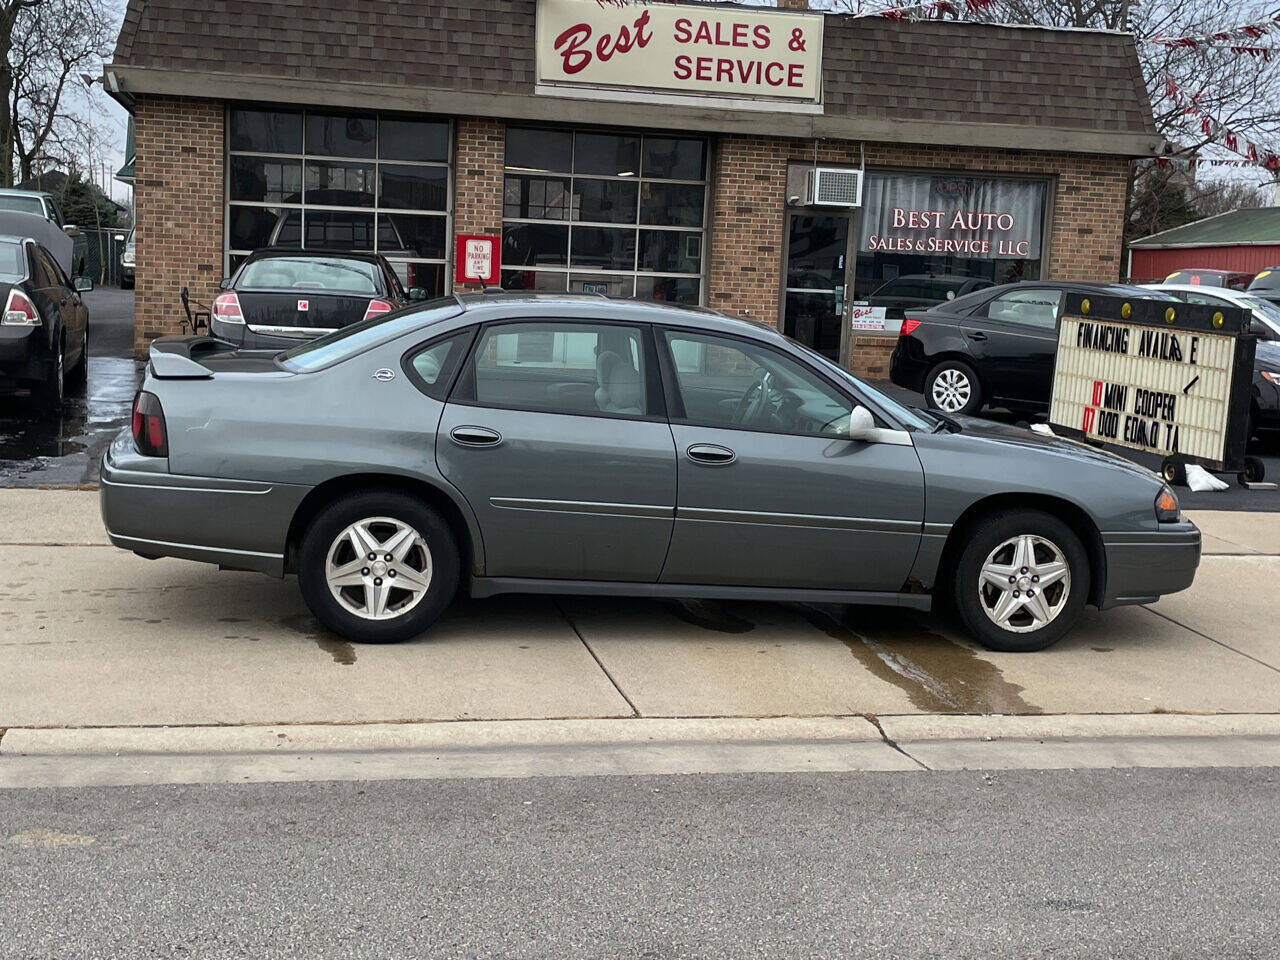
(13, 264)
(1268, 279)
(311, 274)
(22, 204)
(359, 337)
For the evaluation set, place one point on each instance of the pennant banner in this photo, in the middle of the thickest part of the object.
(1248, 31)
(1215, 131)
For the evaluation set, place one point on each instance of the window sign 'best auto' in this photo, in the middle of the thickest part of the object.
(721, 51)
(1168, 378)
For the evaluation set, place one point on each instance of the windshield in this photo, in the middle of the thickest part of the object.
(359, 337)
(13, 265)
(907, 416)
(1264, 310)
(22, 204)
(314, 274)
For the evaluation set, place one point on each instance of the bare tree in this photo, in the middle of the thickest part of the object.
(9, 13)
(50, 43)
(1212, 197)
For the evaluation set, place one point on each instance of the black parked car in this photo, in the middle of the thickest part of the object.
(1266, 284)
(44, 329)
(920, 291)
(995, 346)
(278, 297)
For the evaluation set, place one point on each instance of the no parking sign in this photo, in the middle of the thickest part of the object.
(476, 259)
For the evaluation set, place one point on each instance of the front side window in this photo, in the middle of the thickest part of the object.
(735, 383)
(574, 368)
(1030, 308)
(341, 181)
(617, 214)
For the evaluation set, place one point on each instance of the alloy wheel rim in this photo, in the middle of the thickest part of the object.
(1024, 583)
(951, 390)
(378, 568)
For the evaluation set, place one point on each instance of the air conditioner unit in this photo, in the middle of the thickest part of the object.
(833, 187)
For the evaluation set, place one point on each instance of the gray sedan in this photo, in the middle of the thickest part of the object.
(577, 444)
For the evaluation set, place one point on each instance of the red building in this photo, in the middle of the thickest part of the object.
(1244, 241)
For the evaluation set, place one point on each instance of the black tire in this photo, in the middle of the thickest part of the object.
(987, 536)
(352, 508)
(78, 375)
(1174, 471)
(50, 392)
(1255, 471)
(955, 373)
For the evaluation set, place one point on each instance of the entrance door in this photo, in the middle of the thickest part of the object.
(817, 258)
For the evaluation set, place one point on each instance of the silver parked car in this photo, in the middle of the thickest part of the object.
(577, 444)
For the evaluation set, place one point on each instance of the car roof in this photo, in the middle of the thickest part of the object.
(1226, 293)
(585, 305)
(270, 253)
(14, 192)
(1216, 271)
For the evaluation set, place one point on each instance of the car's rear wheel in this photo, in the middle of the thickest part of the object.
(1021, 581)
(50, 391)
(952, 387)
(378, 567)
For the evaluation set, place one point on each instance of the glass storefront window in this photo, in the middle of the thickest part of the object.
(927, 237)
(619, 214)
(341, 181)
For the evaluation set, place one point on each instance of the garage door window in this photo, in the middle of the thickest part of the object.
(618, 214)
(341, 181)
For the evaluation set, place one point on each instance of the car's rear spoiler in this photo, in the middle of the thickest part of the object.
(173, 358)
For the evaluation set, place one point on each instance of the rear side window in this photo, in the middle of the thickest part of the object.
(432, 368)
(311, 274)
(575, 368)
(1031, 308)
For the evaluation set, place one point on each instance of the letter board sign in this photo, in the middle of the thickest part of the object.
(1167, 378)
(720, 51)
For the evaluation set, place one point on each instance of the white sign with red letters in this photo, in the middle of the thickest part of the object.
(721, 51)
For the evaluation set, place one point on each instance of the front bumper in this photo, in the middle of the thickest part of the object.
(238, 524)
(1144, 566)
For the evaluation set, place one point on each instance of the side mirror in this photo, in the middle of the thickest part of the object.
(224, 283)
(71, 230)
(82, 284)
(951, 294)
(119, 238)
(417, 293)
(861, 423)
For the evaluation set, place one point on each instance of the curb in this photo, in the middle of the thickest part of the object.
(496, 734)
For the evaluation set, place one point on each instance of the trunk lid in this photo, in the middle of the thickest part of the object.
(200, 357)
(301, 310)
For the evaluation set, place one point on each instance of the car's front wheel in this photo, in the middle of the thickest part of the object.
(952, 387)
(378, 567)
(1021, 581)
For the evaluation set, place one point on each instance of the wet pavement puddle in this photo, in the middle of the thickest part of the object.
(332, 644)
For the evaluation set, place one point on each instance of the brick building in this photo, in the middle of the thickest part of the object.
(792, 167)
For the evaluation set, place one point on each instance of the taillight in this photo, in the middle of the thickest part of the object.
(1166, 506)
(149, 434)
(908, 327)
(376, 307)
(226, 308)
(19, 311)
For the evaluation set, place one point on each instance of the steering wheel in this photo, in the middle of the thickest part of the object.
(754, 399)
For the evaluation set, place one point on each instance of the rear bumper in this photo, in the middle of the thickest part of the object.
(24, 357)
(1144, 566)
(249, 339)
(239, 524)
(907, 365)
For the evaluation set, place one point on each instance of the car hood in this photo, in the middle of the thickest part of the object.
(1023, 439)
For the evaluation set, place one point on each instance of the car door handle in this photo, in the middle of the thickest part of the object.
(469, 436)
(978, 335)
(711, 454)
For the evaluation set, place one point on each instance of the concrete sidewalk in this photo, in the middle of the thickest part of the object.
(91, 636)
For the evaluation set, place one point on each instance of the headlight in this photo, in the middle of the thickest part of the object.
(1166, 506)
(1272, 375)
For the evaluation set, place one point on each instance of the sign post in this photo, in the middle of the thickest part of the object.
(1167, 378)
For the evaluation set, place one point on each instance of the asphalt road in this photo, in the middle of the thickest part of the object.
(62, 448)
(1074, 864)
